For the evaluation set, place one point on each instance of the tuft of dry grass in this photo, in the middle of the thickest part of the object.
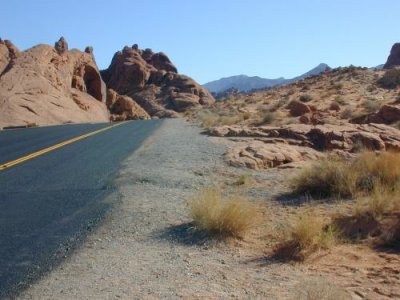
(382, 200)
(307, 235)
(318, 289)
(338, 177)
(243, 179)
(222, 216)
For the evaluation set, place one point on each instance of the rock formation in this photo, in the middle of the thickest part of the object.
(152, 80)
(394, 57)
(274, 146)
(49, 85)
(124, 107)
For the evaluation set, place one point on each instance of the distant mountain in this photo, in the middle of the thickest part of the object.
(244, 83)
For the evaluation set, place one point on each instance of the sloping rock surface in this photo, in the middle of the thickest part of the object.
(274, 146)
(50, 85)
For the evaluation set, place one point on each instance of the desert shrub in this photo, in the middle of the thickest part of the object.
(305, 98)
(370, 105)
(391, 79)
(340, 100)
(243, 179)
(266, 117)
(363, 174)
(307, 235)
(338, 86)
(222, 216)
(32, 124)
(347, 113)
(382, 200)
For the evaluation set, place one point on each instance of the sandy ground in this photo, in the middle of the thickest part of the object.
(146, 248)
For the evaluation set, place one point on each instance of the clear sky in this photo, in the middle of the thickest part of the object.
(210, 39)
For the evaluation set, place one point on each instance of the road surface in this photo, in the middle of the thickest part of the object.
(49, 202)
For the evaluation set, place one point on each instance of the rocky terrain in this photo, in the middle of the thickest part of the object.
(147, 248)
(153, 81)
(54, 85)
(342, 110)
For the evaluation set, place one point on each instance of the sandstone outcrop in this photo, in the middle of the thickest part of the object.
(394, 57)
(50, 85)
(300, 141)
(260, 155)
(124, 107)
(152, 80)
(387, 114)
(8, 53)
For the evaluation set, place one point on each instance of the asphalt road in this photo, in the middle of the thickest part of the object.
(48, 203)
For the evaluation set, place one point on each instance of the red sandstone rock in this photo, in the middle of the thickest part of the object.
(41, 86)
(124, 107)
(298, 108)
(152, 80)
(394, 57)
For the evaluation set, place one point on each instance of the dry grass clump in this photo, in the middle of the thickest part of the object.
(222, 216)
(371, 105)
(307, 235)
(319, 289)
(361, 175)
(243, 179)
(265, 118)
(382, 200)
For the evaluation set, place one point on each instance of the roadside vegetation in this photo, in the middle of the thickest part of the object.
(222, 216)
(309, 233)
(371, 180)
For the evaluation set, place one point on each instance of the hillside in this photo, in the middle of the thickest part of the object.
(245, 83)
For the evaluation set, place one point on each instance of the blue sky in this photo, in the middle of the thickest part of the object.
(210, 39)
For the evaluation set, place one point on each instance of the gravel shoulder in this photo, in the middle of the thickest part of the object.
(144, 249)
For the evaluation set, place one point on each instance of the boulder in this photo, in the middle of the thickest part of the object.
(298, 108)
(394, 57)
(259, 155)
(124, 107)
(387, 114)
(152, 80)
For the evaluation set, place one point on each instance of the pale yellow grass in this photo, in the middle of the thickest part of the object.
(308, 234)
(223, 216)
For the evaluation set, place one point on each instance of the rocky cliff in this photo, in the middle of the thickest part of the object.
(153, 81)
(394, 57)
(50, 85)
(53, 85)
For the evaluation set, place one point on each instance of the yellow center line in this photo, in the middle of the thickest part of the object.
(54, 147)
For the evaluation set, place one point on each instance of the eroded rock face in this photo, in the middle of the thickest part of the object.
(301, 141)
(259, 155)
(387, 114)
(8, 53)
(45, 85)
(124, 107)
(152, 80)
(394, 57)
(61, 46)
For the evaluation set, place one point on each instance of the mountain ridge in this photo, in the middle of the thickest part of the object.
(244, 83)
